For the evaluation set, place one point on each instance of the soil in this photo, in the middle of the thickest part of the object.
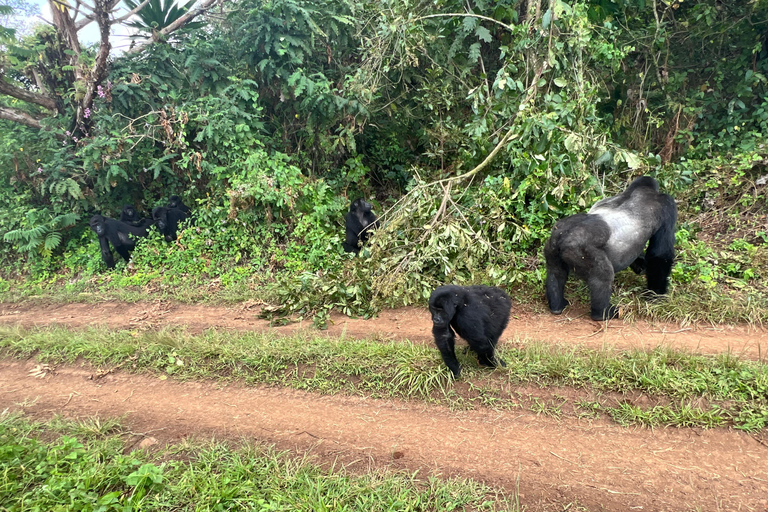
(552, 461)
(573, 328)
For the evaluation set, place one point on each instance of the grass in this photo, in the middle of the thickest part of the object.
(727, 300)
(66, 465)
(657, 387)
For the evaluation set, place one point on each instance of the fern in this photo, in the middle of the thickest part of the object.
(42, 237)
(73, 188)
(64, 220)
(52, 241)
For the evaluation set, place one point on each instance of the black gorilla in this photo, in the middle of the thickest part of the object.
(129, 215)
(121, 235)
(360, 221)
(612, 237)
(175, 202)
(479, 314)
(167, 221)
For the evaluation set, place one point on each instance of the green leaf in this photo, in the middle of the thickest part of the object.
(546, 19)
(572, 143)
(606, 157)
(474, 52)
(483, 34)
(560, 82)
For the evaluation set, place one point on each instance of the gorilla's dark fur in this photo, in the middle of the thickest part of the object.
(167, 220)
(360, 221)
(478, 314)
(129, 215)
(175, 202)
(610, 238)
(122, 236)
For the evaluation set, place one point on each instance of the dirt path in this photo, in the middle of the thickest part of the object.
(604, 466)
(555, 461)
(405, 323)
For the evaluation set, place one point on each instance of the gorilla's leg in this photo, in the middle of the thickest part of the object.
(120, 246)
(659, 259)
(638, 266)
(557, 275)
(660, 255)
(599, 276)
(486, 354)
(445, 341)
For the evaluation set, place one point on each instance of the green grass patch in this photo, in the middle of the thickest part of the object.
(65, 465)
(682, 389)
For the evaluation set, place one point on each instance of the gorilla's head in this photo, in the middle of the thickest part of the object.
(174, 202)
(97, 225)
(362, 210)
(443, 308)
(160, 216)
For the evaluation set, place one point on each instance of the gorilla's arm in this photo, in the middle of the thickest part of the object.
(106, 252)
(446, 343)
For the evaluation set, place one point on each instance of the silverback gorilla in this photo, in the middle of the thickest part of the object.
(610, 238)
(478, 314)
(359, 223)
(121, 235)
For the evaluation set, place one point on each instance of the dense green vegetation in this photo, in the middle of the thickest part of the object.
(680, 389)
(472, 126)
(67, 465)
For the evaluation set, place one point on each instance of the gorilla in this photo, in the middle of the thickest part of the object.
(360, 222)
(121, 235)
(479, 314)
(612, 237)
(167, 220)
(129, 215)
(175, 202)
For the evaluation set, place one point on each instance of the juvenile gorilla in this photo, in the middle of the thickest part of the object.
(479, 314)
(175, 202)
(610, 238)
(122, 236)
(129, 215)
(360, 222)
(167, 221)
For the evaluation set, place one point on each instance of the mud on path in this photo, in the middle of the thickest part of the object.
(552, 461)
(572, 328)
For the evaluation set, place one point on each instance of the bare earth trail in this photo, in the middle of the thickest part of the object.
(572, 328)
(556, 461)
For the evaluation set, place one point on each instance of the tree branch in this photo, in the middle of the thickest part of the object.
(131, 13)
(466, 15)
(19, 116)
(87, 19)
(24, 95)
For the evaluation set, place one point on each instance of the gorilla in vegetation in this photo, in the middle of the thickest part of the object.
(175, 202)
(129, 215)
(479, 314)
(121, 235)
(167, 220)
(360, 222)
(610, 238)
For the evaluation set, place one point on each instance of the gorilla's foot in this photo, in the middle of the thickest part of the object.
(558, 309)
(607, 314)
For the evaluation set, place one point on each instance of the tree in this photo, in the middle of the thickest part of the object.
(60, 71)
